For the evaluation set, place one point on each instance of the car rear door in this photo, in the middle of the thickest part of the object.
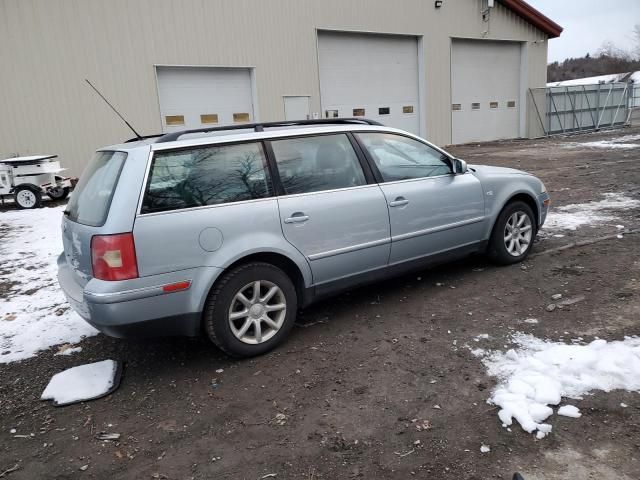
(330, 210)
(431, 210)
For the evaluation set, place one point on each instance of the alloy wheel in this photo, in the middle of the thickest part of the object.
(257, 312)
(518, 233)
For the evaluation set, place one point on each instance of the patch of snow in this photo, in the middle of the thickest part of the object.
(571, 217)
(540, 372)
(34, 314)
(485, 448)
(624, 405)
(80, 383)
(482, 336)
(625, 142)
(610, 78)
(531, 320)
(569, 411)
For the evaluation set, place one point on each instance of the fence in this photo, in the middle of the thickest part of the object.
(583, 107)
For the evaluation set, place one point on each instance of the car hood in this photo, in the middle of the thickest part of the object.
(488, 170)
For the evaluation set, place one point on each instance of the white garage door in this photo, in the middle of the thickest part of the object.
(200, 97)
(373, 76)
(485, 90)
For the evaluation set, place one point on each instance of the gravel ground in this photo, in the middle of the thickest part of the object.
(376, 383)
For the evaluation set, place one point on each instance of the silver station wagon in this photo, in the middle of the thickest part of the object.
(230, 230)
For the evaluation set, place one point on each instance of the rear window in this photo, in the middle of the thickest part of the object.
(91, 199)
(212, 175)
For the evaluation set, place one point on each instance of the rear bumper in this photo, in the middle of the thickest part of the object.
(140, 307)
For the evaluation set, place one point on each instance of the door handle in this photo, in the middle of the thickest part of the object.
(399, 202)
(297, 217)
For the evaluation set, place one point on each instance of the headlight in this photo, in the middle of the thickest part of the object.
(543, 189)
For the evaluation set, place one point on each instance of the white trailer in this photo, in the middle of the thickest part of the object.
(28, 178)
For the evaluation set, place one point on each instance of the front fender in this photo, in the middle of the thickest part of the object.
(499, 189)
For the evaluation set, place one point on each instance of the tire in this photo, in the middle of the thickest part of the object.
(27, 198)
(503, 248)
(58, 193)
(233, 336)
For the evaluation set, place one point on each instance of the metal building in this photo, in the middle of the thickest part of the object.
(451, 70)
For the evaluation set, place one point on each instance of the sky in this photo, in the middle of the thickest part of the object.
(588, 24)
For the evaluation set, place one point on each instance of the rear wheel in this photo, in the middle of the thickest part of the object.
(27, 198)
(513, 234)
(251, 309)
(58, 193)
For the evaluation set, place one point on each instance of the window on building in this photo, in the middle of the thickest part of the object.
(358, 112)
(384, 111)
(209, 118)
(241, 117)
(511, 104)
(401, 158)
(493, 104)
(456, 106)
(174, 120)
(475, 106)
(210, 175)
(312, 164)
(407, 109)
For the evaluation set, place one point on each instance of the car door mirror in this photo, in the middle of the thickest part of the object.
(459, 166)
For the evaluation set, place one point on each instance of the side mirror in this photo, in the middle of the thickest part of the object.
(459, 166)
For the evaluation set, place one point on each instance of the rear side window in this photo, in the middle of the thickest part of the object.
(313, 164)
(91, 199)
(211, 175)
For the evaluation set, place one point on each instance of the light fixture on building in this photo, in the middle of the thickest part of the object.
(438, 3)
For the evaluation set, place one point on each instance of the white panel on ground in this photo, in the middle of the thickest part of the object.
(200, 97)
(370, 75)
(296, 107)
(485, 90)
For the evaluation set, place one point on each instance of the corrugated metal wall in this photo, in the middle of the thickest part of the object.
(48, 47)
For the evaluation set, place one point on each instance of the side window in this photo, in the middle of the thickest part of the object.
(402, 158)
(206, 176)
(313, 164)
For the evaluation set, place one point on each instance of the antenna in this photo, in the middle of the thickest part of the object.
(113, 108)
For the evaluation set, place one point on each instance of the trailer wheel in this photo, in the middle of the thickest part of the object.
(27, 198)
(58, 193)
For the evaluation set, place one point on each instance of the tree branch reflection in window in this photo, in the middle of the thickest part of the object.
(207, 176)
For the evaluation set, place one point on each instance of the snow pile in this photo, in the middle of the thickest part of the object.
(539, 373)
(85, 382)
(624, 142)
(34, 314)
(570, 217)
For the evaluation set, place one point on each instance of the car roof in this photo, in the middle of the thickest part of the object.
(227, 136)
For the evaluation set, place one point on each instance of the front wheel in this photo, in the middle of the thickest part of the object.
(513, 234)
(251, 309)
(27, 198)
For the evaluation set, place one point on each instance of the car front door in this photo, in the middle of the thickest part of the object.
(329, 210)
(431, 209)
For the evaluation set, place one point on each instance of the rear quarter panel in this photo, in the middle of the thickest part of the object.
(213, 236)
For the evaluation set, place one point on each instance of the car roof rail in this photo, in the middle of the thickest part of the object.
(259, 127)
(144, 137)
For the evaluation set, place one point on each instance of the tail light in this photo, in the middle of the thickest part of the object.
(113, 257)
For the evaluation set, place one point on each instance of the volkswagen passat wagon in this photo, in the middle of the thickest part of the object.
(229, 231)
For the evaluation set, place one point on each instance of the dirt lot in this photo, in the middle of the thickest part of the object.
(359, 368)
